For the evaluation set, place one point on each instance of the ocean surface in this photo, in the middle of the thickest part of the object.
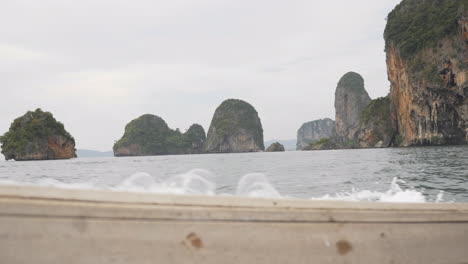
(420, 174)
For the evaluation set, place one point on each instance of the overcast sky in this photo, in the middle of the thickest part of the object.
(97, 64)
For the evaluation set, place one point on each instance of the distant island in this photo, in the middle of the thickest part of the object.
(150, 135)
(275, 147)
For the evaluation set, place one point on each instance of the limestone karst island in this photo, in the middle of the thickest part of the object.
(37, 136)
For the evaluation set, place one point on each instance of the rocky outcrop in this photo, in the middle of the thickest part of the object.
(350, 100)
(314, 131)
(235, 127)
(376, 125)
(275, 147)
(150, 135)
(427, 57)
(37, 136)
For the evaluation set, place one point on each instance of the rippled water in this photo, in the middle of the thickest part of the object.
(430, 172)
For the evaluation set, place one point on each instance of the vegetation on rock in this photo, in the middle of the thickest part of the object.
(376, 124)
(352, 81)
(150, 135)
(417, 24)
(323, 144)
(30, 134)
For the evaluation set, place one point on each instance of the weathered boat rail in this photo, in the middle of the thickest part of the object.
(49, 225)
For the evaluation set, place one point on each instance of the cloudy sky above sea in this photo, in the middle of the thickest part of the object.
(97, 64)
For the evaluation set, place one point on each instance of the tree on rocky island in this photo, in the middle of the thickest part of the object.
(37, 136)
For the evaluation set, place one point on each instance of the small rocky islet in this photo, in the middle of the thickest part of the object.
(37, 135)
(426, 45)
(275, 147)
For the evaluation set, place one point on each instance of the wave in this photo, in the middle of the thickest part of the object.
(255, 185)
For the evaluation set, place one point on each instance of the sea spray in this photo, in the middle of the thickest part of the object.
(193, 182)
(256, 185)
(394, 195)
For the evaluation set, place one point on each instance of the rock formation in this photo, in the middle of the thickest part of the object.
(314, 131)
(150, 135)
(376, 125)
(275, 147)
(350, 100)
(235, 127)
(37, 136)
(427, 57)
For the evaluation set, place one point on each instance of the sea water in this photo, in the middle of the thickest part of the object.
(423, 174)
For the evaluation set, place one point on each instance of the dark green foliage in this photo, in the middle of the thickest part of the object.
(377, 116)
(31, 127)
(195, 133)
(234, 114)
(153, 137)
(322, 144)
(378, 109)
(417, 24)
(353, 81)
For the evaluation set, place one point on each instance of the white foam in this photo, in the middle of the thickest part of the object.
(202, 182)
(394, 195)
(192, 182)
(256, 185)
(59, 184)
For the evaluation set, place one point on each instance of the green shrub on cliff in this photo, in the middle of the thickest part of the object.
(31, 127)
(376, 118)
(417, 24)
(322, 144)
(378, 109)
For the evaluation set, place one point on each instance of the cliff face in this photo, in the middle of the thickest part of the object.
(37, 136)
(235, 127)
(428, 77)
(150, 135)
(350, 100)
(314, 131)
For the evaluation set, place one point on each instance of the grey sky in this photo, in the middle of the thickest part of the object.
(97, 64)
